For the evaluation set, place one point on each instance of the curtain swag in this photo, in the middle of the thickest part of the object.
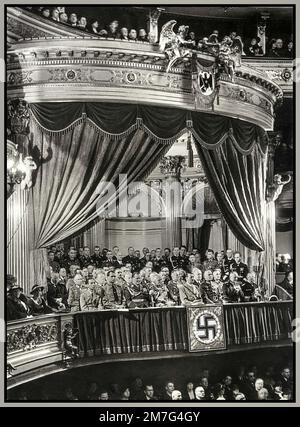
(163, 125)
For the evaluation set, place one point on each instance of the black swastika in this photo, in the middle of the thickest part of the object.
(207, 327)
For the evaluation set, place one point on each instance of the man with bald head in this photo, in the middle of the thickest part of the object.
(199, 393)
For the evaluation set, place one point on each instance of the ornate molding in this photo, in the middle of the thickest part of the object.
(76, 68)
(277, 71)
(28, 337)
(18, 117)
(171, 166)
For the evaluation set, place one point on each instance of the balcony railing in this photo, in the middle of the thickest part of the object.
(36, 342)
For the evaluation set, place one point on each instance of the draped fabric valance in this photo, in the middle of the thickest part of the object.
(162, 124)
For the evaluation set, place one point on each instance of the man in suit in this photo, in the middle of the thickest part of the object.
(248, 387)
(232, 291)
(285, 380)
(149, 393)
(53, 262)
(169, 388)
(288, 283)
(53, 297)
(188, 292)
(61, 286)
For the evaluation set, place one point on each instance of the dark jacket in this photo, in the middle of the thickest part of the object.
(15, 309)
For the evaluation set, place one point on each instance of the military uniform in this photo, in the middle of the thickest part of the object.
(96, 260)
(179, 262)
(85, 261)
(134, 261)
(136, 296)
(208, 293)
(74, 298)
(231, 294)
(113, 295)
(227, 263)
(86, 300)
(55, 265)
(67, 262)
(173, 292)
(210, 264)
(110, 263)
(240, 268)
(159, 263)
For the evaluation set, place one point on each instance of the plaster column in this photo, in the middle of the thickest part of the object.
(171, 167)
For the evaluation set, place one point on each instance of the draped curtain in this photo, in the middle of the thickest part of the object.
(236, 171)
(78, 145)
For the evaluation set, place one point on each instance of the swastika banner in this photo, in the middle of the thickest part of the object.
(206, 328)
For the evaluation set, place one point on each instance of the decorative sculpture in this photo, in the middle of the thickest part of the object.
(274, 190)
(69, 335)
(228, 52)
(174, 45)
(28, 166)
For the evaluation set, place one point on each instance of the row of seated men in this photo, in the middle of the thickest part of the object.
(162, 282)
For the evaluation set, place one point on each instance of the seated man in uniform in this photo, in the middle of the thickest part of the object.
(208, 295)
(136, 294)
(74, 293)
(158, 291)
(87, 301)
(173, 290)
(113, 293)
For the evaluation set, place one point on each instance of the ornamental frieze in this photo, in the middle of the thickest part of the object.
(30, 336)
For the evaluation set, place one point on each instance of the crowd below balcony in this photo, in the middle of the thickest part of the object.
(79, 281)
(276, 47)
(241, 383)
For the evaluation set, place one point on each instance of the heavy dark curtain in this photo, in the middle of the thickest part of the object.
(235, 169)
(165, 329)
(198, 238)
(77, 145)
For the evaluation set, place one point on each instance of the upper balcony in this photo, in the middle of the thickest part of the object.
(50, 62)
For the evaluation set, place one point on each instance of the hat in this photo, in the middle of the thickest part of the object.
(35, 287)
(14, 286)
